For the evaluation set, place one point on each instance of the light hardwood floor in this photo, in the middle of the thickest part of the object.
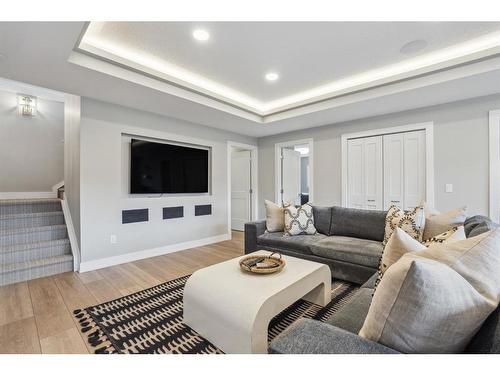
(36, 316)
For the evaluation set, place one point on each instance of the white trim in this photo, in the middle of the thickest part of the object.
(494, 150)
(57, 186)
(277, 166)
(254, 152)
(28, 195)
(429, 154)
(75, 249)
(148, 253)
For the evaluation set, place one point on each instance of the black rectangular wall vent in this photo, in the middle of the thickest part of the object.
(205, 209)
(135, 216)
(173, 212)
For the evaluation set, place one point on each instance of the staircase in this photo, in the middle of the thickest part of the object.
(33, 240)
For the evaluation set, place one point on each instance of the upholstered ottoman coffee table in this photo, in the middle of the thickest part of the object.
(232, 308)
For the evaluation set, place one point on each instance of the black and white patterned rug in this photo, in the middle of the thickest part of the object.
(150, 321)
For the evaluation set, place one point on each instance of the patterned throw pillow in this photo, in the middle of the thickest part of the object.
(412, 222)
(299, 220)
(454, 234)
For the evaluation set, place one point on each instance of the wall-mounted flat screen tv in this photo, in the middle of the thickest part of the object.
(162, 168)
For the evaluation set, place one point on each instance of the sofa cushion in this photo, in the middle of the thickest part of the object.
(349, 249)
(352, 315)
(477, 225)
(322, 219)
(370, 283)
(299, 244)
(352, 222)
(487, 340)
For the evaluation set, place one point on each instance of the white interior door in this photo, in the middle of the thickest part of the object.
(241, 201)
(393, 170)
(373, 173)
(414, 169)
(290, 180)
(355, 173)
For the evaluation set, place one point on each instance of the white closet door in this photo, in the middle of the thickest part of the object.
(393, 170)
(414, 169)
(373, 173)
(355, 172)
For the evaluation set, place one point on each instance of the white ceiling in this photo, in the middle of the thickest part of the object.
(305, 54)
(40, 54)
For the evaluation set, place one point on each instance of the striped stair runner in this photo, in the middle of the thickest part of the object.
(33, 240)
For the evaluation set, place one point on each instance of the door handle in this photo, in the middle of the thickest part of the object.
(394, 201)
(371, 200)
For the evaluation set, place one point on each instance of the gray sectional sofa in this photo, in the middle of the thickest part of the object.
(348, 240)
(350, 243)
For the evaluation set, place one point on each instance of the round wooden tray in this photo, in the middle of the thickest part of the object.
(270, 259)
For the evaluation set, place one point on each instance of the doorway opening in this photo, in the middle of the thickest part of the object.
(294, 172)
(242, 185)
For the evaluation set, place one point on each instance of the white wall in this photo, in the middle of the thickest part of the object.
(103, 189)
(460, 153)
(72, 114)
(31, 148)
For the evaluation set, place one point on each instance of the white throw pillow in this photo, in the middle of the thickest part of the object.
(435, 300)
(412, 222)
(436, 222)
(275, 217)
(299, 220)
(402, 243)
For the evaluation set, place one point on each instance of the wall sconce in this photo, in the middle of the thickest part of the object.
(27, 105)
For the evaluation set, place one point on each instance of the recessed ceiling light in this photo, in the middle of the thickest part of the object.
(201, 35)
(272, 76)
(413, 46)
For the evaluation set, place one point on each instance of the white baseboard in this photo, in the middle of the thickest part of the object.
(131, 257)
(28, 195)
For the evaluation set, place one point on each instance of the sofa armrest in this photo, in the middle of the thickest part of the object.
(308, 336)
(253, 230)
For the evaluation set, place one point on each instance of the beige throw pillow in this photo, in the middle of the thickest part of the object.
(441, 222)
(454, 234)
(275, 217)
(299, 220)
(435, 300)
(412, 222)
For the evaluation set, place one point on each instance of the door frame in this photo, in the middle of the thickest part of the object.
(429, 154)
(254, 152)
(277, 166)
(494, 151)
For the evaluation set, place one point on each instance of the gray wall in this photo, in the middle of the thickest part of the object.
(31, 148)
(460, 153)
(104, 194)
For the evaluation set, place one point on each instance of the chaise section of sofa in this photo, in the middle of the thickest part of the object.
(339, 334)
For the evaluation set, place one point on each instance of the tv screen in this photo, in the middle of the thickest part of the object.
(167, 168)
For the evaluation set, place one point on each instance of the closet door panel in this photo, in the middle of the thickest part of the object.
(393, 170)
(373, 175)
(414, 169)
(355, 174)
